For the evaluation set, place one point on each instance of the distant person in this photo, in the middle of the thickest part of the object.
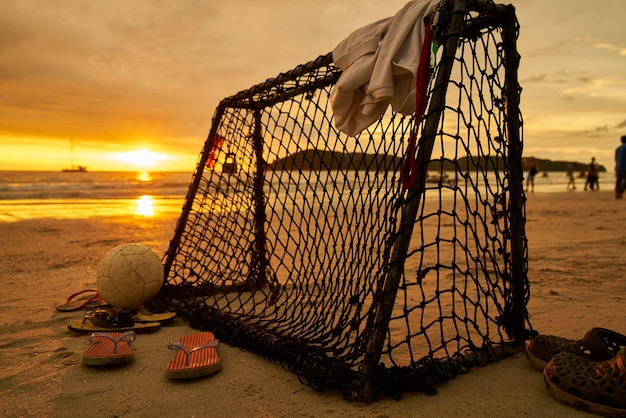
(596, 173)
(570, 176)
(533, 169)
(620, 169)
(593, 175)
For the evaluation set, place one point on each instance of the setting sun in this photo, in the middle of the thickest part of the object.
(142, 157)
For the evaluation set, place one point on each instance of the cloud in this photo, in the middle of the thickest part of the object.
(620, 50)
(606, 87)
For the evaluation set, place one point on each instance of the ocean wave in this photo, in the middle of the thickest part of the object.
(109, 185)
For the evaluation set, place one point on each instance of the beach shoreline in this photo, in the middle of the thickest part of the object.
(577, 280)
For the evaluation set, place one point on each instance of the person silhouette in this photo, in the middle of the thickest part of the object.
(620, 169)
(533, 169)
(593, 175)
(570, 176)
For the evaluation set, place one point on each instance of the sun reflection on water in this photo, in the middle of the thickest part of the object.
(144, 176)
(145, 206)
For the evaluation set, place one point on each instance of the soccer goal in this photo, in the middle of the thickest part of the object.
(305, 245)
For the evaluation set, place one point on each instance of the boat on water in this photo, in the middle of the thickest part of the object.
(74, 168)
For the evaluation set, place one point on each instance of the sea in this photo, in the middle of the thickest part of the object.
(62, 195)
(38, 194)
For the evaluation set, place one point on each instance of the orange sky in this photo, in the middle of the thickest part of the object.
(119, 76)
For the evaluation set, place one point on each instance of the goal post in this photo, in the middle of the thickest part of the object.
(301, 243)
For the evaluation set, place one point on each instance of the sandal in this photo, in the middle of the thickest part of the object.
(109, 348)
(598, 344)
(196, 356)
(597, 387)
(108, 318)
(86, 327)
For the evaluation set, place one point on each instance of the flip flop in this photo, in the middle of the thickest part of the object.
(598, 344)
(111, 316)
(90, 299)
(196, 356)
(86, 327)
(595, 386)
(109, 348)
(145, 316)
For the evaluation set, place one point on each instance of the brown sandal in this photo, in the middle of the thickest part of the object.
(597, 387)
(598, 344)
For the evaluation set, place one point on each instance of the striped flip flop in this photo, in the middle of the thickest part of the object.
(196, 356)
(109, 348)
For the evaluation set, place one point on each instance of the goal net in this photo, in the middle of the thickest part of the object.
(302, 244)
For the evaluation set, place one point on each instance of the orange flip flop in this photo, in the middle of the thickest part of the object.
(75, 302)
(196, 356)
(109, 348)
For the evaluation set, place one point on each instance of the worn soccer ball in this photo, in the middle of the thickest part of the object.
(129, 275)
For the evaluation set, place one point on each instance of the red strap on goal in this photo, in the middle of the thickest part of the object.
(409, 165)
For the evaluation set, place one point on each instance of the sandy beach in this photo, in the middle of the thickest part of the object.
(578, 281)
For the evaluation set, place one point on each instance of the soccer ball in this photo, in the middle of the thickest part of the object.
(129, 275)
